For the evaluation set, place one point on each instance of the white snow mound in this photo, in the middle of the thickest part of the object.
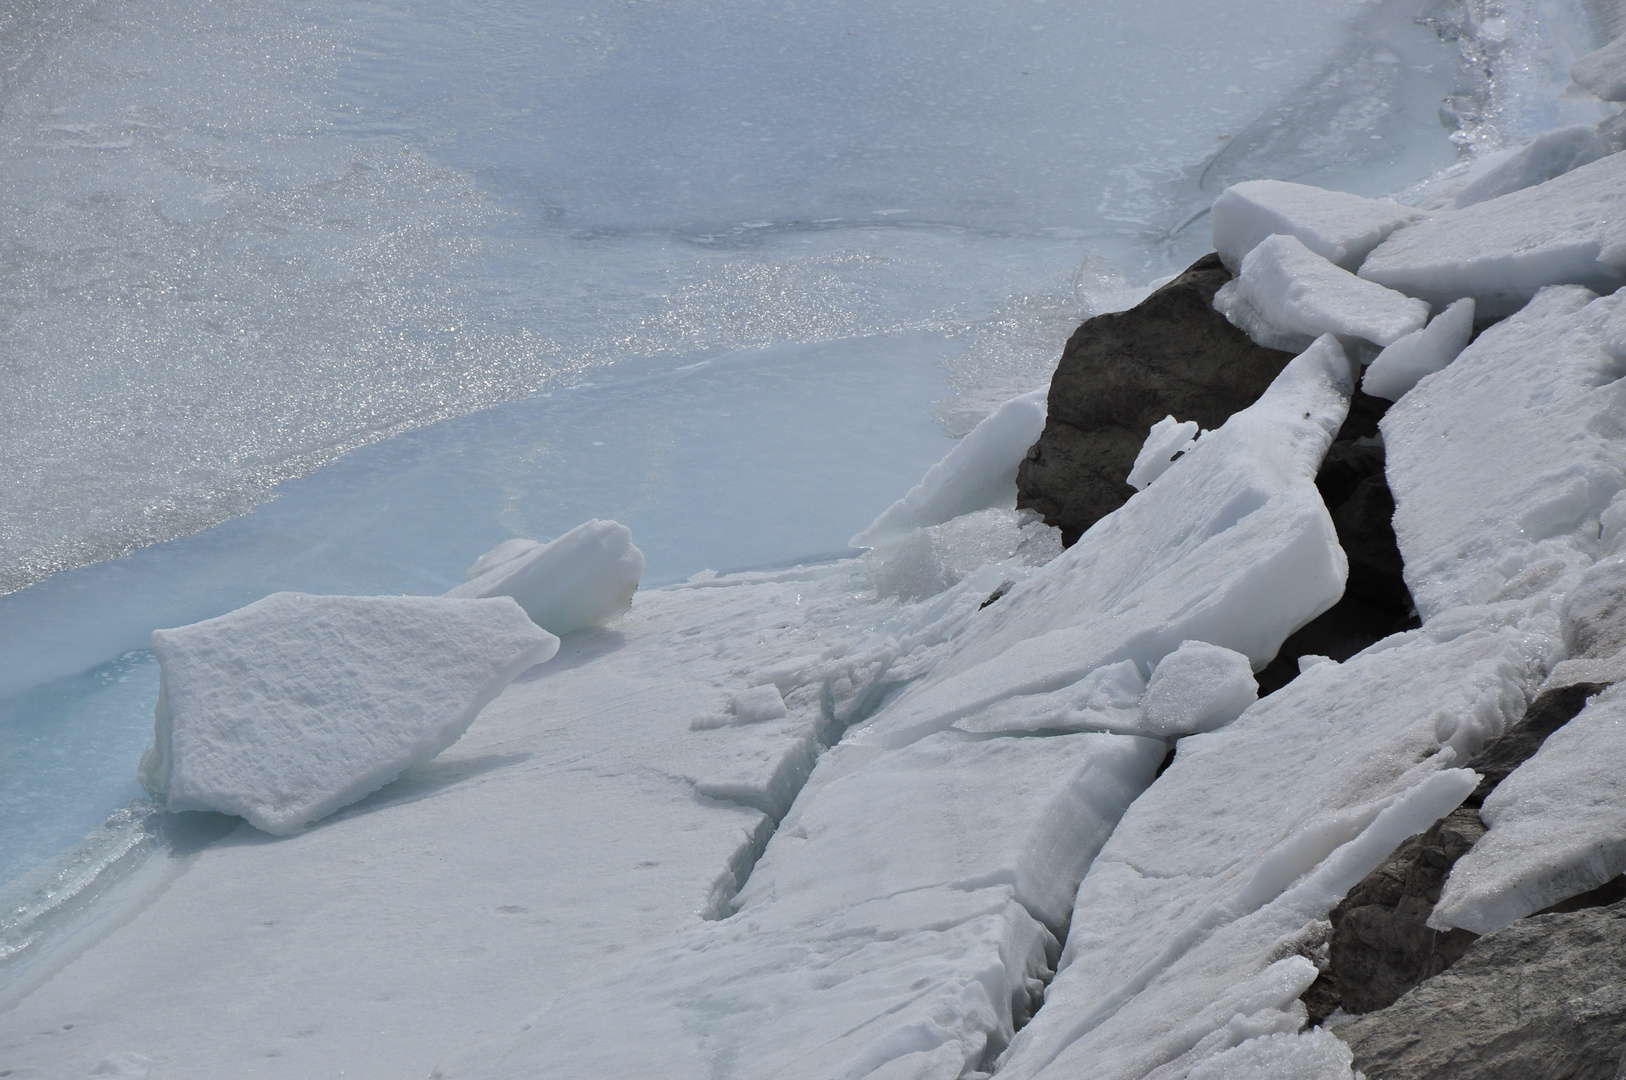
(584, 579)
(1339, 227)
(1603, 71)
(1568, 231)
(979, 473)
(1404, 364)
(287, 709)
(1297, 290)
(1198, 687)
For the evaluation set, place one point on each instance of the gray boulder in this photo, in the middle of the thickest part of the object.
(1542, 999)
(1122, 372)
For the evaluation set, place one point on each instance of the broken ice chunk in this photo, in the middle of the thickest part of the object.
(1603, 71)
(1296, 289)
(1550, 154)
(757, 704)
(1196, 688)
(287, 709)
(980, 472)
(1339, 227)
(1557, 826)
(1403, 365)
(1168, 439)
(1568, 231)
(583, 579)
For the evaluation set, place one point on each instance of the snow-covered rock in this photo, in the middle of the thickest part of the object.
(1231, 546)
(583, 579)
(1198, 687)
(1557, 826)
(1167, 439)
(1568, 231)
(980, 472)
(1293, 288)
(285, 710)
(1403, 364)
(1339, 227)
(1506, 459)
(1603, 71)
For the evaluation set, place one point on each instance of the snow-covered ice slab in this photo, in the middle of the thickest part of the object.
(1568, 231)
(1557, 826)
(1293, 288)
(1340, 227)
(1603, 71)
(1509, 456)
(285, 710)
(1231, 546)
(1256, 829)
(583, 579)
(1421, 353)
(980, 472)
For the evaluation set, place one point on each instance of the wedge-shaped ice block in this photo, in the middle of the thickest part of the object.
(1339, 227)
(1295, 289)
(1569, 231)
(1557, 826)
(285, 710)
(1420, 353)
(1510, 455)
(583, 579)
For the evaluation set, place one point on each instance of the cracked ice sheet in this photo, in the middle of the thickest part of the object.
(1507, 457)
(561, 834)
(1231, 546)
(901, 918)
(1197, 870)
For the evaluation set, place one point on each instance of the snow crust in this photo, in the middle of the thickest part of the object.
(1567, 231)
(1293, 288)
(296, 705)
(583, 579)
(1505, 461)
(1167, 439)
(1420, 353)
(980, 472)
(1557, 826)
(1340, 227)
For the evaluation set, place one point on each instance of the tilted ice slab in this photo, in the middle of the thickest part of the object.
(1420, 353)
(1294, 289)
(583, 579)
(1509, 456)
(980, 472)
(1557, 826)
(1258, 828)
(1231, 546)
(1568, 231)
(1603, 71)
(1167, 439)
(285, 710)
(1340, 227)
(1550, 154)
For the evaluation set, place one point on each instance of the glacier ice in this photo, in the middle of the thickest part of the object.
(583, 579)
(1339, 227)
(1557, 826)
(1401, 365)
(1168, 439)
(1295, 289)
(980, 472)
(1570, 230)
(1198, 687)
(1509, 456)
(285, 710)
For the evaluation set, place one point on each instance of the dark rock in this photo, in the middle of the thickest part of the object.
(1122, 372)
(1380, 946)
(1549, 712)
(1542, 999)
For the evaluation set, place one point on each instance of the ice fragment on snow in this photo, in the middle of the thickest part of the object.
(1168, 437)
(1296, 289)
(1339, 227)
(757, 704)
(1403, 364)
(1603, 71)
(1198, 687)
(1310, 660)
(980, 472)
(1568, 231)
(583, 579)
(1557, 826)
(287, 709)
(1507, 458)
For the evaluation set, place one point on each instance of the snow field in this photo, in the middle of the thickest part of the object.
(583, 579)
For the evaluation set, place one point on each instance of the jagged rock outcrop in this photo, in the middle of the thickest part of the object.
(1542, 999)
(1120, 373)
